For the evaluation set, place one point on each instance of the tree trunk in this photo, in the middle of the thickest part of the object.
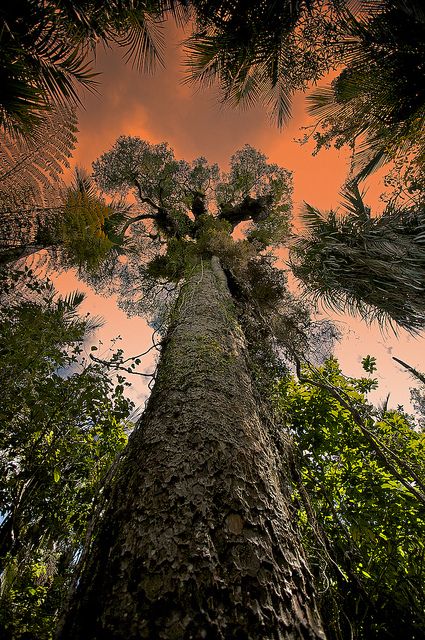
(13, 254)
(197, 538)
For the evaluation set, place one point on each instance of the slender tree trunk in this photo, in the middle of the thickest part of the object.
(13, 254)
(197, 538)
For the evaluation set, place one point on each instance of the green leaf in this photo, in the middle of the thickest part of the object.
(369, 364)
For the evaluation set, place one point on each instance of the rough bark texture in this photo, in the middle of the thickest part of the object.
(197, 539)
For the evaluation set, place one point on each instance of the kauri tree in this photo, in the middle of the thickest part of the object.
(197, 538)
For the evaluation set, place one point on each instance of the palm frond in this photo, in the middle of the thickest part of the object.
(352, 201)
(67, 307)
(83, 183)
(44, 50)
(371, 156)
(365, 265)
(71, 301)
(206, 59)
(258, 52)
(321, 102)
(143, 38)
(279, 100)
(311, 216)
(59, 65)
(378, 99)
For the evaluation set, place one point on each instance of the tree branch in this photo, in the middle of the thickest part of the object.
(255, 209)
(142, 216)
(145, 199)
(116, 366)
(417, 374)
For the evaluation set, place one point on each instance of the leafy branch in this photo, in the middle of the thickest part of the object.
(382, 451)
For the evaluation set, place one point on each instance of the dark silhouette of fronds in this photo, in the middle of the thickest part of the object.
(45, 50)
(260, 51)
(378, 101)
(366, 265)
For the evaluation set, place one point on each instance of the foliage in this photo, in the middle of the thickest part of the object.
(418, 400)
(41, 62)
(363, 529)
(374, 266)
(417, 394)
(377, 102)
(262, 51)
(81, 231)
(86, 226)
(187, 212)
(29, 169)
(45, 46)
(62, 423)
(175, 194)
(405, 180)
(251, 176)
(31, 185)
(190, 212)
(152, 171)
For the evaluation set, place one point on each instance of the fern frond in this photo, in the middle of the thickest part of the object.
(371, 266)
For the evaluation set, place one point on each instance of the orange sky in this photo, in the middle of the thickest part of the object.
(159, 108)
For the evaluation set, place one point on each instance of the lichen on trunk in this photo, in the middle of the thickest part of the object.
(197, 539)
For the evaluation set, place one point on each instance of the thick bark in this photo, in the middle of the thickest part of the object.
(197, 538)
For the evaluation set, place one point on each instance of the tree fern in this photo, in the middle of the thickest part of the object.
(31, 187)
(36, 165)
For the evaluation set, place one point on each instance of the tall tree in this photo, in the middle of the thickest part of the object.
(197, 536)
(373, 266)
